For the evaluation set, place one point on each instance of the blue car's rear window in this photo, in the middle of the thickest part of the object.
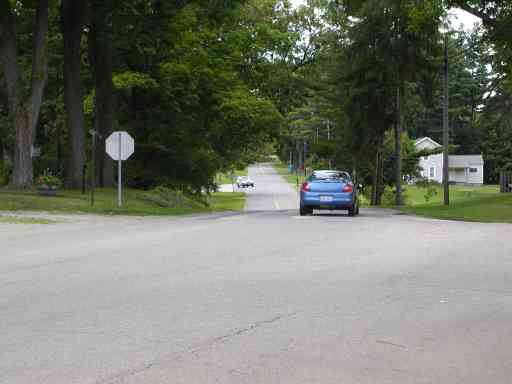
(330, 175)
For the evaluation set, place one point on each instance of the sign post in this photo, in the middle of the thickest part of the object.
(120, 146)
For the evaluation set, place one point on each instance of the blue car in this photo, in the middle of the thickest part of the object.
(329, 190)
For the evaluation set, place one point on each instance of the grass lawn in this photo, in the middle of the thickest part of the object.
(135, 202)
(483, 204)
(225, 178)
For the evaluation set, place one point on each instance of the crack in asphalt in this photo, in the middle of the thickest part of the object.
(120, 376)
(241, 331)
(391, 344)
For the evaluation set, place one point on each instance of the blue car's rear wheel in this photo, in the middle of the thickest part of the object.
(354, 209)
(304, 211)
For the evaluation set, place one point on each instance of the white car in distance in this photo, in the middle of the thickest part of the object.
(244, 182)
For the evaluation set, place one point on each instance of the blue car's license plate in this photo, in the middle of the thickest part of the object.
(325, 199)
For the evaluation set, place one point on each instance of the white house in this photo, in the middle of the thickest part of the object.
(463, 169)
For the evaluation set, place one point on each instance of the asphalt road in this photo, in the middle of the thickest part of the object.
(264, 296)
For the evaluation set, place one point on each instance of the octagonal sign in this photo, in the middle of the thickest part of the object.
(120, 145)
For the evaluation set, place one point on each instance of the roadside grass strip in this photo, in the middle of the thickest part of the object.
(135, 202)
(25, 220)
(477, 206)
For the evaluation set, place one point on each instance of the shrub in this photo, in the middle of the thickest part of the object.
(431, 191)
(430, 186)
(48, 180)
(364, 201)
(5, 173)
(389, 196)
(170, 198)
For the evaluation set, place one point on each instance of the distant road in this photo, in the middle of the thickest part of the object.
(263, 296)
(271, 192)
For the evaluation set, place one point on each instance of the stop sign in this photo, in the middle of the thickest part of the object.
(120, 145)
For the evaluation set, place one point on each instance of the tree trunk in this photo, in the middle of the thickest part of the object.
(100, 53)
(26, 114)
(73, 15)
(39, 63)
(8, 58)
(398, 148)
(22, 174)
(378, 175)
(374, 181)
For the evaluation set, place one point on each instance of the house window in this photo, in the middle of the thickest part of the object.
(432, 172)
(473, 170)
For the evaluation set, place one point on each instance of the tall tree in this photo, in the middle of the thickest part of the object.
(389, 44)
(100, 54)
(24, 110)
(73, 20)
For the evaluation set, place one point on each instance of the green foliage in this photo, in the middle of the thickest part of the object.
(47, 179)
(430, 188)
(198, 116)
(5, 173)
(169, 198)
(389, 199)
(129, 79)
(430, 192)
(208, 86)
(410, 157)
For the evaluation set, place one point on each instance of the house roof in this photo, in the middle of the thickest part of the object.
(434, 143)
(465, 161)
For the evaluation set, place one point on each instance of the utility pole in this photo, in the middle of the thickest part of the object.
(398, 149)
(297, 154)
(329, 139)
(304, 157)
(446, 187)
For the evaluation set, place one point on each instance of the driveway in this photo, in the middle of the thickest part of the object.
(263, 296)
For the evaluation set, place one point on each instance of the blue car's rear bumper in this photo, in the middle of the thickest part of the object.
(320, 200)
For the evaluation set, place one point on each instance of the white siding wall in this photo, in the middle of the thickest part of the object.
(477, 177)
(458, 175)
(435, 162)
(465, 176)
(424, 145)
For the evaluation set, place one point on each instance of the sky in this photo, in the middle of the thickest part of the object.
(458, 16)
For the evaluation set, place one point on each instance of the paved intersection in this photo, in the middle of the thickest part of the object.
(263, 296)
